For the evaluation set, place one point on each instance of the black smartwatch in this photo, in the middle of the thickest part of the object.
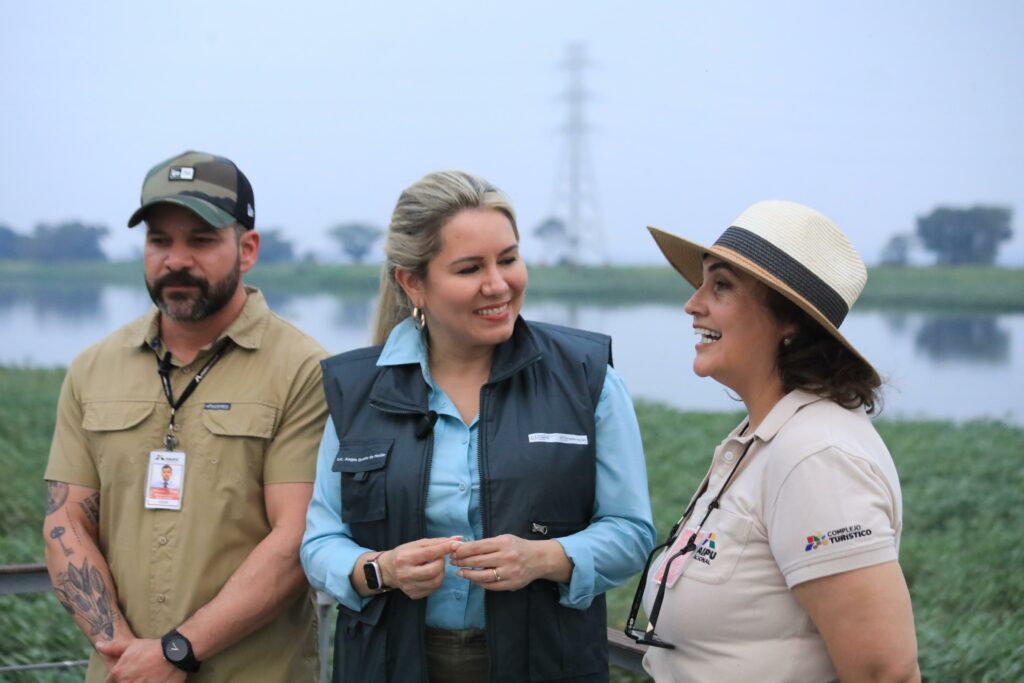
(374, 576)
(178, 651)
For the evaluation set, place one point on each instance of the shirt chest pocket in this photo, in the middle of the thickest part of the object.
(120, 437)
(363, 469)
(251, 420)
(720, 546)
(235, 432)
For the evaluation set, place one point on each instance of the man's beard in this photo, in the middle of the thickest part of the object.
(193, 307)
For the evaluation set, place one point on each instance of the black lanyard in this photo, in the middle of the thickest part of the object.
(713, 505)
(164, 369)
(648, 637)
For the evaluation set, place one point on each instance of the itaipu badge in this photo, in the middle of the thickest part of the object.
(165, 480)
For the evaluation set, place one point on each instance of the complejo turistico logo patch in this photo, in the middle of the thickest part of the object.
(841, 535)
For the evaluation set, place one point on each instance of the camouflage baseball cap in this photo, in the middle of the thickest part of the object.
(212, 187)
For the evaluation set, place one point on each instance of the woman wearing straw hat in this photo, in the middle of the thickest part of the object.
(481, 480)
(784, 565)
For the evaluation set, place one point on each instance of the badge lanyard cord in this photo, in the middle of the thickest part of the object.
(691, 543)
(164, 369)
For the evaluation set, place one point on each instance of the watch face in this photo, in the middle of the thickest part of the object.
(175, 649)
(372, 572)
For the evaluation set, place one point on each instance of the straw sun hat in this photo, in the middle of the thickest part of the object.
(789, 247)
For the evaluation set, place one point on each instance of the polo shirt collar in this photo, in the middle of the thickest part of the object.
(780, 414)
(246, 330)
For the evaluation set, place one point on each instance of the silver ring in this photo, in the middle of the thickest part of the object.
(497, 576)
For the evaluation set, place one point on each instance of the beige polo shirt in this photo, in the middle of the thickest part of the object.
(255, 419)
(816, 495)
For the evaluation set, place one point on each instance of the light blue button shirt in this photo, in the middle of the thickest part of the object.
(611, 549)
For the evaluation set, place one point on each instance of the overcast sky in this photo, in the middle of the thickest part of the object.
(873, 112)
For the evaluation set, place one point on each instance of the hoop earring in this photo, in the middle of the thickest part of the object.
(419, 317)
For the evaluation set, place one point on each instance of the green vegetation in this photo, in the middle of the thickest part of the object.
(34, 627)
(974, 288)
(960, 550)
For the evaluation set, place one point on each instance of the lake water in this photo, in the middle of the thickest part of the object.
(957, 366)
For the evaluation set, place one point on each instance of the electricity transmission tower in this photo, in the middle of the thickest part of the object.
(576, 196)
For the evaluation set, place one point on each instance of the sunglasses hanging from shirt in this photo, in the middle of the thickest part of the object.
(648, 636)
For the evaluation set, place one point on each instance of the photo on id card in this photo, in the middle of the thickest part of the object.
(165, 480)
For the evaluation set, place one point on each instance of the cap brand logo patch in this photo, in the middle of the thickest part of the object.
(846, 533)
(251, 211)
(181, 173)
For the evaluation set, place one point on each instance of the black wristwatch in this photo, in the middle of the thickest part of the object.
(374, 576)
(178, 651)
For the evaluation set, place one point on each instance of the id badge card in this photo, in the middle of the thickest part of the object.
(680, 562)
(165, 480)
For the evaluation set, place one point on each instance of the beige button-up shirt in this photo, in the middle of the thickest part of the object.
(255, 419)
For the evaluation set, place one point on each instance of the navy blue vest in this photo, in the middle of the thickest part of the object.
(545, 379)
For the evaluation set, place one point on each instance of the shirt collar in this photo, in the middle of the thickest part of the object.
(246, 330)
(405, 346)
(780, 414)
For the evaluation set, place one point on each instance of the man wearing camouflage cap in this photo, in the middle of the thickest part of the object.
(184, 454)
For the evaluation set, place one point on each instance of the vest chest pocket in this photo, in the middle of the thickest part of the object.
(363, 469)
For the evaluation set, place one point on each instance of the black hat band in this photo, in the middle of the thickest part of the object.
(790, 271)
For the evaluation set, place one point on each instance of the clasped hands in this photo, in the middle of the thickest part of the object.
(502, 563)
(137, 660)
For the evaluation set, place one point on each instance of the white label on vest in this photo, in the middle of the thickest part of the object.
(540, 437)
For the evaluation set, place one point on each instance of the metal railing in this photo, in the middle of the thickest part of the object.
(33, 578)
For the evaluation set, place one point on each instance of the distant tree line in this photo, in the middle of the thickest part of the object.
(77, 241)
(69, 241)
(957, 236)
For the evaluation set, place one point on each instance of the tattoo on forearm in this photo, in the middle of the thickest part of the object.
(56, 495)
(73, 525)
(82, 592)
(91, 507)
(56, 533)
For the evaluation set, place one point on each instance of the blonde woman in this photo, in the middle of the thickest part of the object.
(481, 481)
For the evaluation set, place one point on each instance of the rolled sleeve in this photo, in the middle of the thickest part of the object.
(621, 533)
(328, 552)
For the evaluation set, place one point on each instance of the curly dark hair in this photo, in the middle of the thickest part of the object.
(817, 362)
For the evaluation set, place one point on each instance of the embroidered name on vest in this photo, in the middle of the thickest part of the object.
(375, 456)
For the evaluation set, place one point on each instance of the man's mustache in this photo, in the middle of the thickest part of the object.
(181, 278)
